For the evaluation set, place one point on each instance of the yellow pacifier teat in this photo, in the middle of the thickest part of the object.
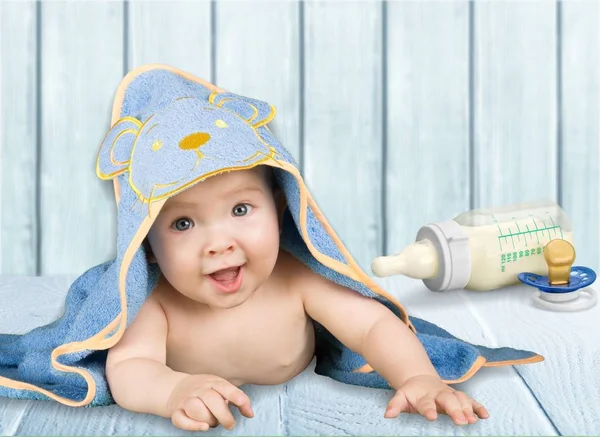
(559, 255)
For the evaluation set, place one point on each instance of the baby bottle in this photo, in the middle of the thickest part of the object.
(481, 249)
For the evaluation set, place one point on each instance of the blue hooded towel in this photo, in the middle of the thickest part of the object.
(171, 130)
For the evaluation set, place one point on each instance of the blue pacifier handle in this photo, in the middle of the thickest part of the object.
(580, 277)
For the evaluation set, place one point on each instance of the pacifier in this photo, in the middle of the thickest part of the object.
(565, 288)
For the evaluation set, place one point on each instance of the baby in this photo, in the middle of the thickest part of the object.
(232, 308)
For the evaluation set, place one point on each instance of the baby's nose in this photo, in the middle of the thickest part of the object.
(219, 248)
(193, 141)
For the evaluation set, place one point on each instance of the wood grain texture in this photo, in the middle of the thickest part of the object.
(427, 168)
(257, 55)
(51, 418)
(567, 383)
(343, 120)
(82, 65)
(18, 154)
(185, 45)
(313, 405)
(320, 406)
(514, 102)
(580, 116)
(29, 302)
(19, 417)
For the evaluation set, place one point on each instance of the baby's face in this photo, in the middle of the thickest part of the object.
(228, 221)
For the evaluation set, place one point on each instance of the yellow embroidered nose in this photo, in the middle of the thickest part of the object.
(193, 141)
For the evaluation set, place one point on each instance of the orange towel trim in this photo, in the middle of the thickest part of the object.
(534, 359)
(477, 364)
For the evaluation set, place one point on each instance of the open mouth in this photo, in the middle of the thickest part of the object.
(227, 280)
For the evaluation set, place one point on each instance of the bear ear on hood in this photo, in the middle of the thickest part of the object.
(255, 112)
(115, 151)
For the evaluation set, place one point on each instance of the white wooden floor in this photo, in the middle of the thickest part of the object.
(558, 396)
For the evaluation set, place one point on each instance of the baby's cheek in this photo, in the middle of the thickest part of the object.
(266, 236)
(173, 257)
(268, 249)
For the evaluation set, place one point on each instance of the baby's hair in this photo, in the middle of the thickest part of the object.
(270, 175)
(147, 248)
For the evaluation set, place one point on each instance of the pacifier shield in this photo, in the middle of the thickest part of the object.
(557, 297)
(580, 277)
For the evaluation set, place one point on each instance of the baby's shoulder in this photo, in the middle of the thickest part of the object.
(297, 275)
(165, 295)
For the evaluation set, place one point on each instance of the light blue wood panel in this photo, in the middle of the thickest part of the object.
(427, 166)
(343, 120)
(580, 132)
(173, 33)
(82, 64)
(514, 102)
(18, 121)
(257, 55)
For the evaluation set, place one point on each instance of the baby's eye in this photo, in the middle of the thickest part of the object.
(241, 209)
(182, 224)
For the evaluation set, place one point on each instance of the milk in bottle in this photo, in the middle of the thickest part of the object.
(481, 249)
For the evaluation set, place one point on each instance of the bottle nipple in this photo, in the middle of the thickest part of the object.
(418, 261)
(559, 255)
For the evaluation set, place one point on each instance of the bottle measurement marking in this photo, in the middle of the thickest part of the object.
(536, 227)
(528, 232)
(553, 224)
(519, 229)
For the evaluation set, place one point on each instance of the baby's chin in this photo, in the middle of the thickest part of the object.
(225, 304)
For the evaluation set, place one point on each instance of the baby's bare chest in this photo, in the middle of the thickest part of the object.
(267, 341)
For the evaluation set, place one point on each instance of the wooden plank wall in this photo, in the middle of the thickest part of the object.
(399, 113)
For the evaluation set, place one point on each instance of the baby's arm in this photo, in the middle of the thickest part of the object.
(138, 377)
(140, 380)
(370, 329)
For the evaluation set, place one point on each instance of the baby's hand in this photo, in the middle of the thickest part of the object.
(201, 401)
(426, 395)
